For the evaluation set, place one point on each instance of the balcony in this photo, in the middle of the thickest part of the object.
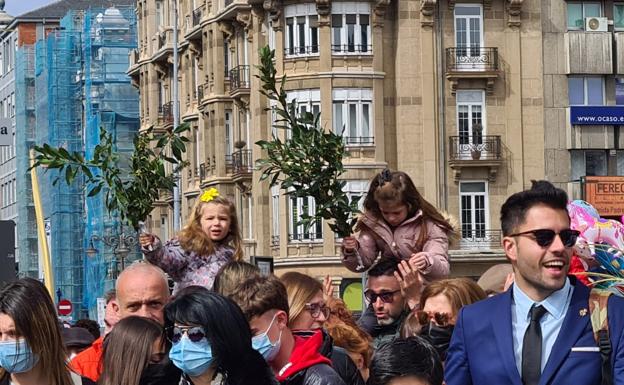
(231, 8)
(165, 114)
(478, 151)
(472, 63)
(588, 52)
(359, 141)
(163, 45)
(193, 25)
(133, 67)
(242, 163)
(480, 239)
(240, 81)
(203, 171)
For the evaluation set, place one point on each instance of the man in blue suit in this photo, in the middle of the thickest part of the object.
(539, 331)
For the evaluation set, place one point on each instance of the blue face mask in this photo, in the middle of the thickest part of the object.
(263, 344)
(193, 358)
(16, 356)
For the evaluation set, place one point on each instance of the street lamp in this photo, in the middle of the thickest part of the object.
(120, 244)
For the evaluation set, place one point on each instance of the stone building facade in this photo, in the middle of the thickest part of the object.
(452, 92)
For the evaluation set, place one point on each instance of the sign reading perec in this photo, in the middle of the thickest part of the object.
(606, 194)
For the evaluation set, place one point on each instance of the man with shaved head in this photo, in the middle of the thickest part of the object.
(141, 290)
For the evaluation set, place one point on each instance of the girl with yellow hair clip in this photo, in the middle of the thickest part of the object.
(210, 239)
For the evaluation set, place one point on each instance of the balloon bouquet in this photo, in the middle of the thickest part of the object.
(598, 255)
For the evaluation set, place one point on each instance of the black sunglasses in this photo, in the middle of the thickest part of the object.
(386, 296)
(194, 333)
(544, 237)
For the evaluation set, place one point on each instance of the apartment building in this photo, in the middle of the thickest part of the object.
(449, 91)
(584, 100)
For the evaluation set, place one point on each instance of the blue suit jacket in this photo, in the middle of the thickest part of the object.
(481, 350)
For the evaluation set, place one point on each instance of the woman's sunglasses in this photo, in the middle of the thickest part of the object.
(194, 333)
(316, 309)
(545, 237)
(441, 319)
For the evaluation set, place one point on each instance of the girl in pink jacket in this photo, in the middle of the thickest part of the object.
(399, 223)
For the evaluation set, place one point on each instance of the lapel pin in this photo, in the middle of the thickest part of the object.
(583, 312)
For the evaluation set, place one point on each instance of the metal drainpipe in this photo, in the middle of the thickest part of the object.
(177, 198)
(439, 26)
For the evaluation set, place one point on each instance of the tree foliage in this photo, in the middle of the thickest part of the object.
(130, 191)
(309, 161)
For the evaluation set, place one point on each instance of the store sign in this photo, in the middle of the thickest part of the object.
(606, 194)
(597, 115)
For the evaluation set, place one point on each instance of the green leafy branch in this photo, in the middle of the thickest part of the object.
(308, 163)
(131, 190)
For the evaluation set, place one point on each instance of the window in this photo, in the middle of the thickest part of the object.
(227, 60)
(299, 207)
(579, 10)
(590, 163)
(468, 30)
(618, 16)
(357, 189)
(473, 210)
(302, 36)
(307, 101)
(470, 117)
(586, 90)
(275, 223)
(353, 115)
(164, 226)
(351, 29)
(196, 150)
(229, 134)
(159, 13)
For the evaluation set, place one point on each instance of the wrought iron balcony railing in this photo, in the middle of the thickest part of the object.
(302, 237)
(242, 162)
(475, 147)
(352, 48)
(301, 50)
(472, 238)
(197, 16)
(203, 172)
(165, 113)
(472, 59)
(239, 78)
(359, 140)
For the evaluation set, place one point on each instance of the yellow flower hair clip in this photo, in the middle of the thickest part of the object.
(209, 195)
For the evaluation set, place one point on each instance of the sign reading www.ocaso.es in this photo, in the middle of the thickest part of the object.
(597, 115)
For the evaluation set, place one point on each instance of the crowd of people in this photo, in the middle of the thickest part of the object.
(526, 322)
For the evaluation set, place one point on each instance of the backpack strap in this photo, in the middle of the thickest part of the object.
(598, 300)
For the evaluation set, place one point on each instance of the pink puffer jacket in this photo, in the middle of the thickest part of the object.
(376, 237)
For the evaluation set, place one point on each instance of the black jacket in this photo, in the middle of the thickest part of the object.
(341, 361)
(319, 374)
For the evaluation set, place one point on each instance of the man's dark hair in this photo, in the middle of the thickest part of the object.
(260, 293)
(385, 267)
(410, 357)
(513, 211)
(92, 326)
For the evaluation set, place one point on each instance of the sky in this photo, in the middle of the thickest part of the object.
(17, 7)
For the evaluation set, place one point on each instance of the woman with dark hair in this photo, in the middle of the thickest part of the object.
(134, 353)
(211, 336)
(31, 346)
(410, 361)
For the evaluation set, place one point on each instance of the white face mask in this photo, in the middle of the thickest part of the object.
(263, 344)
